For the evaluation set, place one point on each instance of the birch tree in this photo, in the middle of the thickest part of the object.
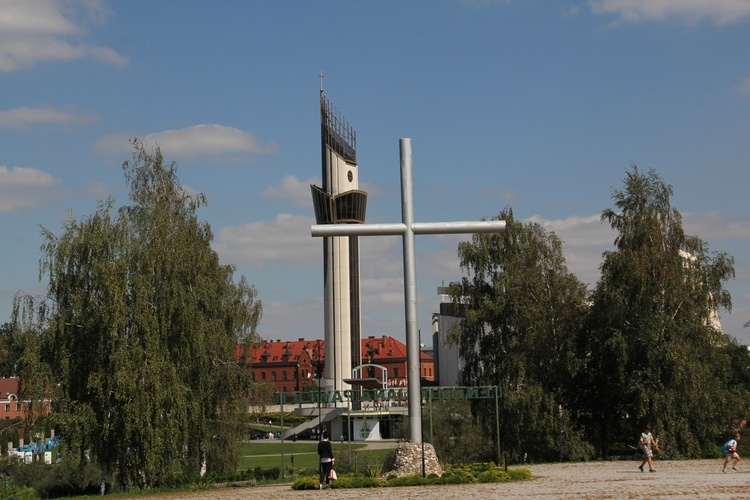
(141, 322)
(523, 312)
(653, 351)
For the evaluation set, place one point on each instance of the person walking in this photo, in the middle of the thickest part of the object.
(325, 452)
(730, 450)
(647, 441)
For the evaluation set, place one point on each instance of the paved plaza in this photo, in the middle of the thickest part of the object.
(591, 480)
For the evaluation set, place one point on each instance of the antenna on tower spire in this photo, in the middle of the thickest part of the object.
(321, 82)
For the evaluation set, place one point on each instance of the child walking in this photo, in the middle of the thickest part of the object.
(730, 450)
(647, 440)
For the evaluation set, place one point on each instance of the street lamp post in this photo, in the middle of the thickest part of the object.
(320, 417)
(320, 406)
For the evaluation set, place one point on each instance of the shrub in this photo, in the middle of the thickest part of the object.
(457, 475)
(479, 472)
(493, 476)
(55, 480)
(356, 481)
(407, 481)
(519, 474)
(305, 483)
(265, 473)
(18, 493)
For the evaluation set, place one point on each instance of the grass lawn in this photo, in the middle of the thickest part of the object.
(273, 447)
(266, 453)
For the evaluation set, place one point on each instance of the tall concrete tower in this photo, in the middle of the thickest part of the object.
(339, 201)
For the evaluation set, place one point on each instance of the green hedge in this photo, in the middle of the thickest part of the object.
(468, 474)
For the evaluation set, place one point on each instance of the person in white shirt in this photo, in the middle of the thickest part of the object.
(730, 450)
(647, 441)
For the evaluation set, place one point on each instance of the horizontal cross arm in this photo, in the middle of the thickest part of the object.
(395, 229)
(358, 229)
(485, 226)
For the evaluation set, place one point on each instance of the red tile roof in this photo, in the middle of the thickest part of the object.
(8, 386)
(280, 351)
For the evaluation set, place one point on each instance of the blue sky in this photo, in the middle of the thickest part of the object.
(538, 105)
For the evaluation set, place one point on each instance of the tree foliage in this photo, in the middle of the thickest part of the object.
(523, 311)
(455, 432)
(583, 371)
(139, 329)
(652, 352)
(10, 350)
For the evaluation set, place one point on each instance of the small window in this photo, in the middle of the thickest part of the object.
(395, 373)
(284, 375)
(262, 375)
(273, 376)
(7, 407)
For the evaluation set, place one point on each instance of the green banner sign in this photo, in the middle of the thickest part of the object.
(389, 395)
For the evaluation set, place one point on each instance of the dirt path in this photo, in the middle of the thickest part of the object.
(595, 480)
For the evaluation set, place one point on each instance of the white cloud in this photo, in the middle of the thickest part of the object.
(718, 12)
(20, 176)
(41, 115)
(50, 30)
(716, 226)
(586, 238)
(280, 318)
(212, 141)
(579, 231)
(14, 202)
(115, 144)
(292, 189)
(24, 188)
(286, 240)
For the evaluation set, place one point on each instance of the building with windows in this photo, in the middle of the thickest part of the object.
(297, 371)
(292, 365)
(448, 362)
(10, 405)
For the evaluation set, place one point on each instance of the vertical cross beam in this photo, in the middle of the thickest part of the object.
(408, 229)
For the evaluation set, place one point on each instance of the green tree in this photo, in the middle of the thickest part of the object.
(10, 351)
(653, 353)
(455, 432)
(523, 312)
(140, 328)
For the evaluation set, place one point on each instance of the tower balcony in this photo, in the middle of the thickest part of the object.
(348, 207)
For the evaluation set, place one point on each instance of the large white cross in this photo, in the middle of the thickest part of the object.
(408, 229)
